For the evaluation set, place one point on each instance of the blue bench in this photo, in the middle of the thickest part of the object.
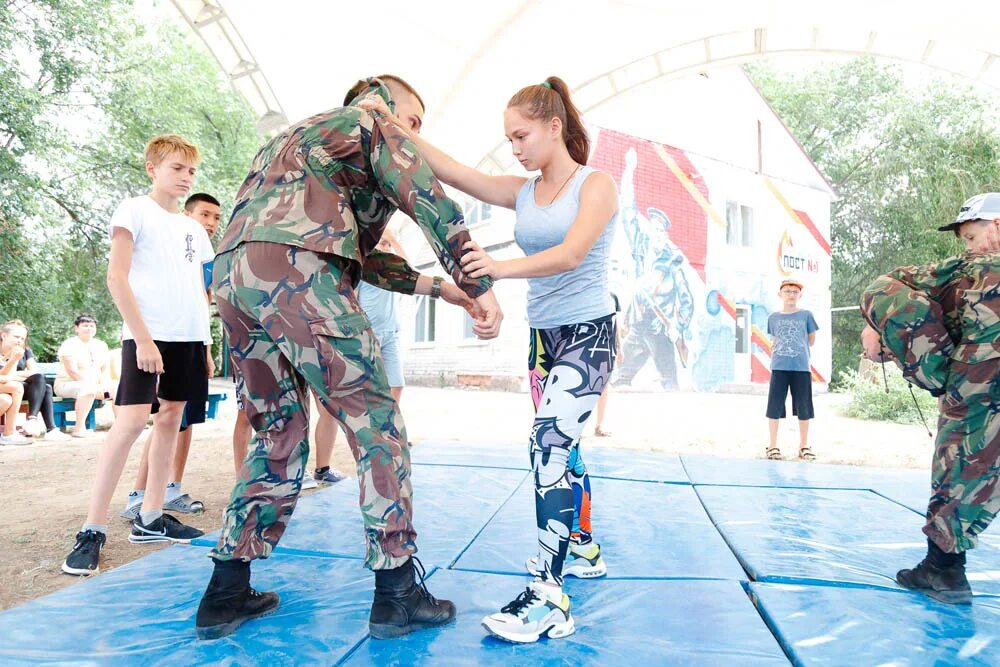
(61, 407)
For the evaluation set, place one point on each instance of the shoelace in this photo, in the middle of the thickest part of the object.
(418, 569)
(86, 541)
(520, 602)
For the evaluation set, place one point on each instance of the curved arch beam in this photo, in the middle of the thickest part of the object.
(736, 48)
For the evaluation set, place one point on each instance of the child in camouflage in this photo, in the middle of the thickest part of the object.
(941, 322)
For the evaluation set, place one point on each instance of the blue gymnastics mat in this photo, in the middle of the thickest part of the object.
(618, 622)
(143, 614)
(646, 530)
(823, 625)
(827, 535)
(710, 561)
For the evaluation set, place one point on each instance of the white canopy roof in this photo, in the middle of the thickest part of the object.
(297, 57)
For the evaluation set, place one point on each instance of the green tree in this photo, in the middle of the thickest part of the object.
(83, 86)
(901, 159)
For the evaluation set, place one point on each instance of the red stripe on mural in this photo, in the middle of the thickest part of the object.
(814, 230)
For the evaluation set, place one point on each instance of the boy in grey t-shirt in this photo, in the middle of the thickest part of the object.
(792, 332)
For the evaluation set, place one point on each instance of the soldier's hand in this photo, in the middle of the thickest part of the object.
(456, 297)
(871, 341)
(489, 326)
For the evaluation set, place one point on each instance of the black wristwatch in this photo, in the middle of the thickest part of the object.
(436, 287)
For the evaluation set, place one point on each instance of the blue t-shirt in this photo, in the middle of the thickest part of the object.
(790, 336)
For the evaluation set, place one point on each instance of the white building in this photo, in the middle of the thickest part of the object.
(718, 204)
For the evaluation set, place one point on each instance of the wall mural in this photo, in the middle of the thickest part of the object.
(681, 322)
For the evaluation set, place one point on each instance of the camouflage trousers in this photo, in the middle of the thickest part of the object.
(965, 470)
(294, 323)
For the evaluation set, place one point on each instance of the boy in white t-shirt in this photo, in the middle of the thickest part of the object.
(156, 278)
(206, 211)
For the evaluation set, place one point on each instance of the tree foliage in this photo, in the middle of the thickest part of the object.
(902, 159)
(83, 86)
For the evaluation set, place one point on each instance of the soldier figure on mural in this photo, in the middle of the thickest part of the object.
(661, 312)
(303, 232)
(940, 323)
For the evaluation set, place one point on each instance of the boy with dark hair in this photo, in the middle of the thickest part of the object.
(941, 323)
(156, 278)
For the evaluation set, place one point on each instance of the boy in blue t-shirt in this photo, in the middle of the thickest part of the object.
(792, 332)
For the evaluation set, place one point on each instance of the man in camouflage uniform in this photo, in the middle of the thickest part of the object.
(941, 322)
(303, 232)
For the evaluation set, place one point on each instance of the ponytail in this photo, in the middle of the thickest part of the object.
(552, 100)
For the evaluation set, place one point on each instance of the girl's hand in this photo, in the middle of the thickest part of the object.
(477, 263)
(377, 107)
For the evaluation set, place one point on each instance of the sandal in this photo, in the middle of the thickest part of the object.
(601, 433)
(773, 453)
(806, 454)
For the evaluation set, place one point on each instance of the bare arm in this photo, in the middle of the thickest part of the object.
(119, 265)
(812, 338)
(498, 190)
(69, 364)
(598, 204)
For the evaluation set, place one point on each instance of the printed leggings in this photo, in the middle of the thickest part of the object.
(568, 367)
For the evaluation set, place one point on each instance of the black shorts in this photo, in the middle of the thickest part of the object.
(800, 383)
(194, 413)
(184, 377)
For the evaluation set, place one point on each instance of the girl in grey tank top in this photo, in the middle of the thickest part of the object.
(564, 228)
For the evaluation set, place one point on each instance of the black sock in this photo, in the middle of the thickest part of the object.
(320, 471)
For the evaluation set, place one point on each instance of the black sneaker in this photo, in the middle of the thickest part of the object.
(402, 604)
(163, 529)
(86, 553)
(229, 601)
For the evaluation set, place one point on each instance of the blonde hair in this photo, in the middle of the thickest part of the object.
(10, 324)
(163, 146)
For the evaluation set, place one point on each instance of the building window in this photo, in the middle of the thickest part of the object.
(742, 329)
(477, 212)
(424, 326)
(467, 322)
(739, 224)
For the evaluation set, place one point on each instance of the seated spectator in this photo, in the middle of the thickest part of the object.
(24, 368)
(11, 393)
(84, 373)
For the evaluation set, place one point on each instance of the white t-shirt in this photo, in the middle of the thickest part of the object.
(169, 255)
(89, 359)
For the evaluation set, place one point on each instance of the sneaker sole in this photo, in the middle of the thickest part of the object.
(185, 510)
(225, 629)
(596, 572)
(383, 631)
(79, 572)
(148, 539)
(554, 631)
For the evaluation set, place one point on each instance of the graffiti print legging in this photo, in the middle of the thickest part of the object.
(569, 367)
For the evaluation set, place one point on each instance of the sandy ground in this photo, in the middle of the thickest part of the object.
(45, 486)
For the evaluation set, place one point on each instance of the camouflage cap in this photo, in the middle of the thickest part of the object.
(981, 207)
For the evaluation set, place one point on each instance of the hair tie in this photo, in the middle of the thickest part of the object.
(548, 85)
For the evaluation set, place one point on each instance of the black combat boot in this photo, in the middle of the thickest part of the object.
(939, 575)
(229, 601)
(403, 604)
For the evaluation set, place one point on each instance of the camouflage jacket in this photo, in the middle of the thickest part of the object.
(330, 183)
(953, 316)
